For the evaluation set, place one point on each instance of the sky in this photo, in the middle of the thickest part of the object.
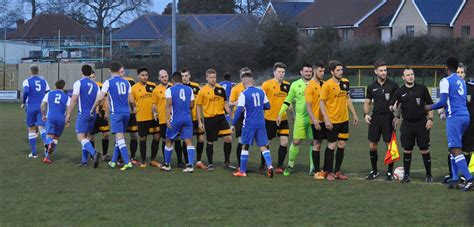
(159, 5)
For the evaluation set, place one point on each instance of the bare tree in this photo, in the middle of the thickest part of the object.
(251, 7)
(104, 13)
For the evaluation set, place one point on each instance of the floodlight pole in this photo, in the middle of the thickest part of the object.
(173, 38)
(5, 58)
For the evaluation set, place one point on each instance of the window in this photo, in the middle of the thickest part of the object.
(465, 31)
(123, 45)
(410, 30)
(345, 35)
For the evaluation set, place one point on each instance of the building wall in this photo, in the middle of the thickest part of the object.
(409, 16)
(465, 18)
(16, 51)
(368, 29)
(440, 31)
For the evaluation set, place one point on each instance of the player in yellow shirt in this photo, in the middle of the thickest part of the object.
(312, 94)
(211, 103)
(132, 128)
(142, 94)
(159, 112)
(101, 123)
(233, 100)
(196, 130)
(334, 104)
(276, 90)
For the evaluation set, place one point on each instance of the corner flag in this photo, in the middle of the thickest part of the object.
(392, 154)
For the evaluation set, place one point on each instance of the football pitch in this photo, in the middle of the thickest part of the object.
(33, 193)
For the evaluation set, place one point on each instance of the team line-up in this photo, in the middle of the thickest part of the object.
(181, 109)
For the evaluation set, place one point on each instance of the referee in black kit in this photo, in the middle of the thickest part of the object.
(380, 122)
(416, 125)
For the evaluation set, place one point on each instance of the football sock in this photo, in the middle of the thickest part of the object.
(462, 166)
(406, 163)
(154, 149)
(294, 150)
(133, 148)
(311, 166)
(199, 150)
(268, 158)
(454, 169)
(105, 146)
(116, 153)
(190, 151)
(143, 151)
(86, 144)
(32, 140)
(390, 167)
(282, 150)
(179, 151)
(328, 160)
(210, 153)
(339, 159)
(238, 152)
(168, 153)
(84, 156)
(123, 150)
(262, 160)
(427, 162)
(43, 135)
(227, 150)
(244, 157)
(93, 143)
(163, 145)
(185, 152)
(373, 159)
(316, 158)
(449, 166)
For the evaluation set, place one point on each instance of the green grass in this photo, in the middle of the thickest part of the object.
(33, 193)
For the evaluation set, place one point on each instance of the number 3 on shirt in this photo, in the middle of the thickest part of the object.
(461, 88)
(182, 96)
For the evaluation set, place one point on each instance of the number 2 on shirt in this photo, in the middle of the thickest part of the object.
(57, 99)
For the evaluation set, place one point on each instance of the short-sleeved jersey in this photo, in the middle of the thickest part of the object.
(87, 91)
(456, 90)
(235, 92)
(58, 101)
(335, 95)
(142, 94)
(413, 101)
(253, 100)
(36, 87)
(312, 94)
(227, 85)
(130, 80)
(118, 89)
(297, 95)
(381, 94)
(276, 93)
(181, 97)
(159, 100)
(212, 100)
(195, 87)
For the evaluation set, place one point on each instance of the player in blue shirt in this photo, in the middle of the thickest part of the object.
(84, 93)
(253, 102)
(53, 109)
(120, 102)
(34, 89)
(179, 102)
(227, 85)
(453, 100)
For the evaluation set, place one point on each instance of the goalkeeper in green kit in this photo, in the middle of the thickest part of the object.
(302, 126)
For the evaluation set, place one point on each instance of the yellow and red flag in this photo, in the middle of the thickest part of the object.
(392, 154)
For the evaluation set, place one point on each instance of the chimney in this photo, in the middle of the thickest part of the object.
(19, 23)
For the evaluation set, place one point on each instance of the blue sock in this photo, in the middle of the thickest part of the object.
(123, 150)
(116, 153)
(267, 157)
(244, 158)
(454, 169)
(48, 140)
(86, 144)
(84, 156)
(191, 151)
(168, 153)
(32, 140)
(46, 155)
(462, 165)
(43, 135)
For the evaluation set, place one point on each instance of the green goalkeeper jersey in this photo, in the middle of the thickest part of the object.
(296, 95)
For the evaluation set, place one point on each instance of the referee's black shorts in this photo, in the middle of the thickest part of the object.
(414, 131)
(146, 128)
(381, 125)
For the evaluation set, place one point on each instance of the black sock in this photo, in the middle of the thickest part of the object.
(179, 151)
(468, 158)
(282, 150)
(143, 151)
(328, 160)
(163, 145)
(449, 166)
(339, 158)
(105, 146)
(93, 143)
(390, 167)
(210, 153)
(185, 152)
(407, 163)
(199, 150)
(238, 152)
(316, 160)
(227, 150)
(374, 157)
(154, 149)
(427, 162)
(133, 148)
